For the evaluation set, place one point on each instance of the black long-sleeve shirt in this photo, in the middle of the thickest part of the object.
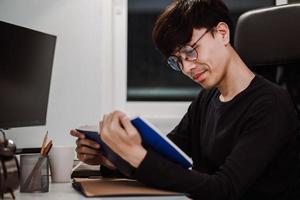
(246, 148)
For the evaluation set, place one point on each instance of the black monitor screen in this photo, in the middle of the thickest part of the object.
(26, 58)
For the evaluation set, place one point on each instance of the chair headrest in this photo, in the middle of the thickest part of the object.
(269, 36)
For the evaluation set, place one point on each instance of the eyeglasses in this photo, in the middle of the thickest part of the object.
(187, 52)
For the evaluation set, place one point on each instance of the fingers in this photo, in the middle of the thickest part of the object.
(87, 143)
(77, 134)
(118, 122)
(116, 118)
(90, 159)
(111, 117)
(104, 123)
(100, 126)
(85, 157)
(112, 127)
(130, 129)
(86, 150)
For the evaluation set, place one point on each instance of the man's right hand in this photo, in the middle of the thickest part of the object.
(89, 152)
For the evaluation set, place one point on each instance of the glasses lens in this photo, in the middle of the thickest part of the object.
(188, 53)
(174, 62)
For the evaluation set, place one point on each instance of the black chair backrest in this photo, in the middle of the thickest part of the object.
(268, 40)
(269, 36)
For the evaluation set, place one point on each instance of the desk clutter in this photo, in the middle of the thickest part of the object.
(33, 174)
(34, 169)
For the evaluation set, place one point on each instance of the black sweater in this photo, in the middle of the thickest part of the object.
(246, 148)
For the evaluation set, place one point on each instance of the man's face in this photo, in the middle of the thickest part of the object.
(209, 69)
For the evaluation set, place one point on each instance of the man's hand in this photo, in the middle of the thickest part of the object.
(89, 152)
(122, 137)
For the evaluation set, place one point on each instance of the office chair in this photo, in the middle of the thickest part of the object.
(268, 40)
(269, 36)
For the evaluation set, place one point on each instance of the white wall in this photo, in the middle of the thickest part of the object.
(79, 64)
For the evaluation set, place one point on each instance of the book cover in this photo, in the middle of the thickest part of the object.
(157, 141)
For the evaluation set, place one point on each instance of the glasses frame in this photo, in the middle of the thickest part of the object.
(175, 62)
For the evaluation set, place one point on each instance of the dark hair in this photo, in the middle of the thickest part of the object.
(174, 27)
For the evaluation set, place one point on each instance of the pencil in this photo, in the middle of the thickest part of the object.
(44, 143)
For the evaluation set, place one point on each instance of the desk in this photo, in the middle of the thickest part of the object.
(64, 191)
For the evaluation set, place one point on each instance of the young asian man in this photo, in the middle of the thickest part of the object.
(241, 130)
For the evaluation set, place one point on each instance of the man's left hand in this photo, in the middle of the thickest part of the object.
(122, 137)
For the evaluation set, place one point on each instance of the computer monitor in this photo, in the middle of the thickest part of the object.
(26, 58)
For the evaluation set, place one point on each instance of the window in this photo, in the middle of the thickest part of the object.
(149, 78)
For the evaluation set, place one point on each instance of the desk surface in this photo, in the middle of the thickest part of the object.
(64, 191)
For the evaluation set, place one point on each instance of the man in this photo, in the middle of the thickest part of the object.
(241, 130)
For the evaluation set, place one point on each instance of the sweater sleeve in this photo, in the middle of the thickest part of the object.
(267, 130)
(109, 173)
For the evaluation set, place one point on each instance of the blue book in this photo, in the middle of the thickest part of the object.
(151, 138)
(154, 139)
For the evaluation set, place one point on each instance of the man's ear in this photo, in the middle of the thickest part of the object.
(223, 29)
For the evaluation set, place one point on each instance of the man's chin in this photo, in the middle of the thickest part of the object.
(206, 86)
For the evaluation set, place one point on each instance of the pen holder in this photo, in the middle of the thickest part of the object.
(34, 170)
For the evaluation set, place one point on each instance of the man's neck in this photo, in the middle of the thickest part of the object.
(237, 78)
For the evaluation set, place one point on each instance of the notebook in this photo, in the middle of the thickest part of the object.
(108, 187)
